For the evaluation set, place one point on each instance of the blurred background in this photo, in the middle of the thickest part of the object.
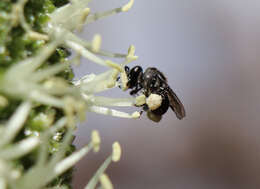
(210, 52)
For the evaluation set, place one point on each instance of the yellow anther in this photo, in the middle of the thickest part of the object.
(96, 43)
(95, 140)
(131, 53)
(128, 6)
(136, 115)
(116, 154)
(131, 50)
(105, 182)
(132, 58)
(84, 15)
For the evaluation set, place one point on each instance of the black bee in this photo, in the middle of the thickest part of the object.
(152, 81)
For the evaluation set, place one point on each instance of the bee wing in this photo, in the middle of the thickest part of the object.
(176, 104)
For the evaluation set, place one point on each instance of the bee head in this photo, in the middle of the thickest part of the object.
(134, 76)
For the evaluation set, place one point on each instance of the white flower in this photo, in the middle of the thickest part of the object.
(29, 82)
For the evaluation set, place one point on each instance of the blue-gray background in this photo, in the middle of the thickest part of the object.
(209, 51)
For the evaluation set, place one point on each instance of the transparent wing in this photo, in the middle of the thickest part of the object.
(176, 104)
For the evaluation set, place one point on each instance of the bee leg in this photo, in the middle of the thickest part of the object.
(135, 91)
(145, 107)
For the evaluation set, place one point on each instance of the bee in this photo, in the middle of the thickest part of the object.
(153, 84)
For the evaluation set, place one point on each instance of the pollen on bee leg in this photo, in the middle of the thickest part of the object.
(95, 140)
(96, 43)
(116, 154)
(154, 101)
(140, 100)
